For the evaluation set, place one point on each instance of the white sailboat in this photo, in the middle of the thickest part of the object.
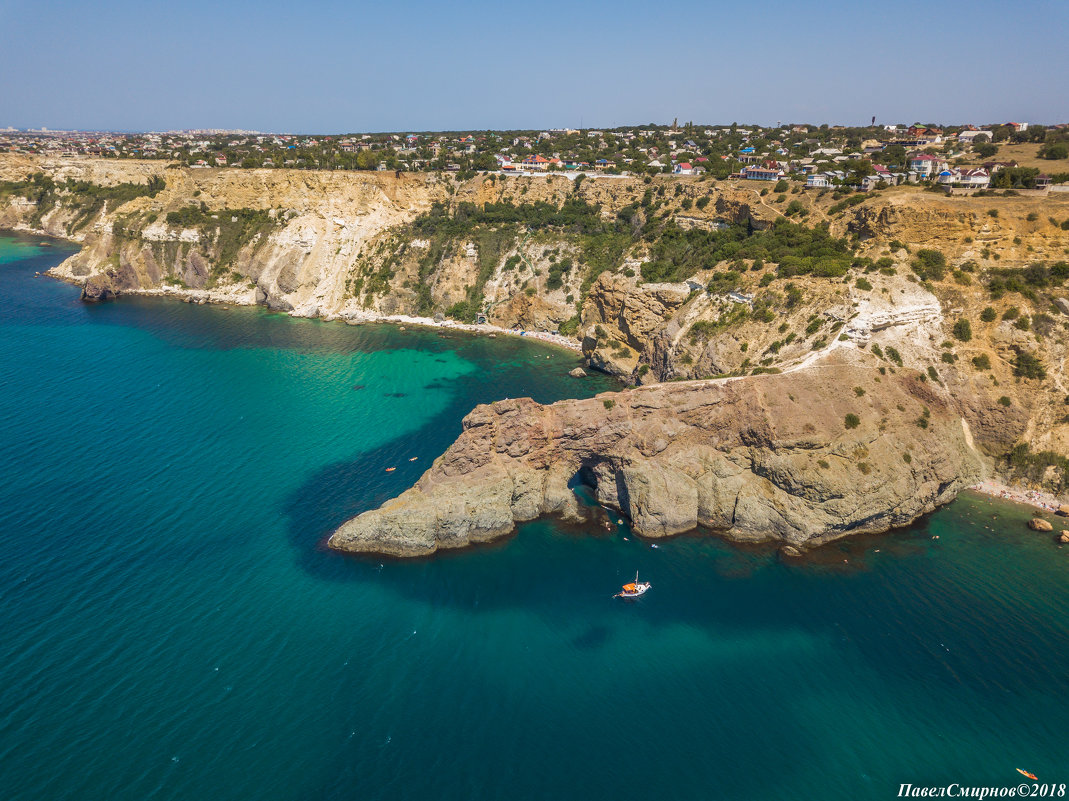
(634, 589)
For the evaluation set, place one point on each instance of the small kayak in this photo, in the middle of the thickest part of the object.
(390, 469)
(413, 458)
(1031, 776)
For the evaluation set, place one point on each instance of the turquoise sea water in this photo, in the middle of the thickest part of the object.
(171, 626)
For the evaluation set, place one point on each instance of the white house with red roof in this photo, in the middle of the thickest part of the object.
(684, 168)
(975, 178)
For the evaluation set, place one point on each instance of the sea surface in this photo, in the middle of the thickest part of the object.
(171, 626)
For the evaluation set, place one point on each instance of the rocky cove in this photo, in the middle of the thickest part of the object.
(766, 404)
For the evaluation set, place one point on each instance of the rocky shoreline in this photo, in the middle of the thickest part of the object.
(787, 458)
(366, 248)
(237, 295)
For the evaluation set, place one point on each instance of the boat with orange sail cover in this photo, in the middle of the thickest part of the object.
(634, 589)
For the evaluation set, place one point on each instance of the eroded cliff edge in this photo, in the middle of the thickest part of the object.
(770, 457)
(677, 279)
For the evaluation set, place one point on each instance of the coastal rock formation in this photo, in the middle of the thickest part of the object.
(760, 458)
(1039, 524)
(360, 245)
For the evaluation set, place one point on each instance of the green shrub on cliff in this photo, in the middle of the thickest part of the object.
(226, 230)
(852, 421)
(1026, 365)
(843, 205)
(676, 254)
(1022, 463)
(929, 265)
(569, 327)
(84, 198)
(463, 311)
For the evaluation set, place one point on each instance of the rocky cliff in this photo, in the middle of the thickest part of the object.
(632, 268)
(801, 458)
(326, 244)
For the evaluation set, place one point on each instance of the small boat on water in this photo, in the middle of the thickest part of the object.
(634, 589)
(1031, 776)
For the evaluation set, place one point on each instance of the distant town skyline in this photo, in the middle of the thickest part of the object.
(328, 67)
(703, 124)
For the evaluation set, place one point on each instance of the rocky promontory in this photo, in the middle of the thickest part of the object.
(799, 457)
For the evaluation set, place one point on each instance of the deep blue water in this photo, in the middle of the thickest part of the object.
(172, 628)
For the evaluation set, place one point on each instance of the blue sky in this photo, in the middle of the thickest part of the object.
(330, 67)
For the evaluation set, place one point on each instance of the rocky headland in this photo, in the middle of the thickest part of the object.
(748, 323)
(798, 458)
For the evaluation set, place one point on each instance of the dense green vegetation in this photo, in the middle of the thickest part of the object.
(495, 228)
(929, 265)
(1014, 178)
(1022, 463)
(796, 249)
(843, 205)
(228, 230)
(84, 198)
(1027, 365)
(1026, 281)
(574, 216)
(675, 253)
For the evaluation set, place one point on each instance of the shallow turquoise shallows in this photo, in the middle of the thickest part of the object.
(172, 627)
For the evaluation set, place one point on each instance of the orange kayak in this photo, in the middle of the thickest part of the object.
(1031, 776)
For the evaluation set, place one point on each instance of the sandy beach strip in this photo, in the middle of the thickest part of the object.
(451, 325)
(1040, 500)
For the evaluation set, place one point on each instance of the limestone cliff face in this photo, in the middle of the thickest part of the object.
(345, 245)
(1018, 229)
(760, 458)
(299, 255)
(331, 244)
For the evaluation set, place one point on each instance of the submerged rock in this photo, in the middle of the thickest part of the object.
(760, 458)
